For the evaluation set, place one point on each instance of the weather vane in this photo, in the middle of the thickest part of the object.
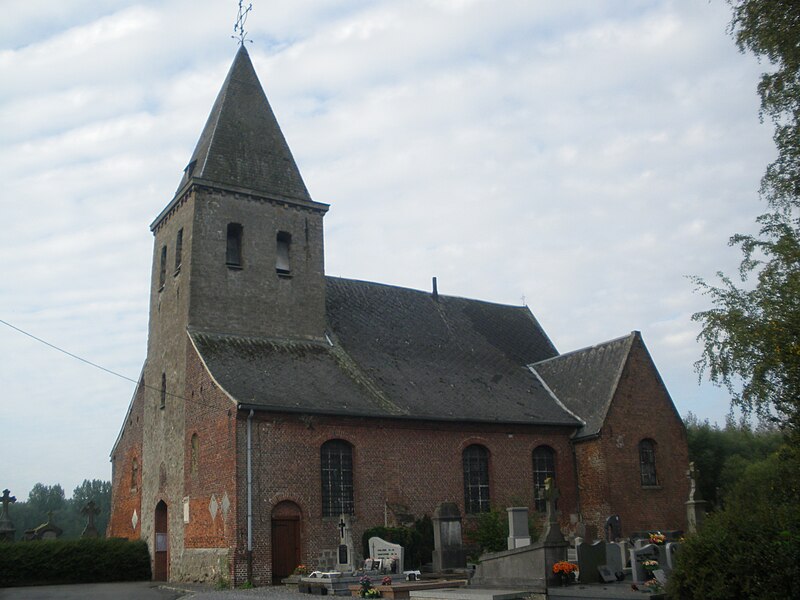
(238, 27)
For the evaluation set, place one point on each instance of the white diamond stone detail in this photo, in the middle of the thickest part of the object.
(213, 507)
(226, 505)
(134, 519)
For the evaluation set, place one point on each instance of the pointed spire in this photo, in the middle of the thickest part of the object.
(242, 144)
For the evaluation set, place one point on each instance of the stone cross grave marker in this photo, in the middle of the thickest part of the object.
(7, 529)
(90, 511)
(344, 555)
(552, 530)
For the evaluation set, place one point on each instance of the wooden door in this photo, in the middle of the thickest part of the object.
(161, 544)
(285, 548)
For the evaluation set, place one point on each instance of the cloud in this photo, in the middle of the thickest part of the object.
(582, 156)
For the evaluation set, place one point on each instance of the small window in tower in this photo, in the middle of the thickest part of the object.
(163, 390)
(282, 264)
(134, 474)
(178, 250)
(233, 254)
(162, 276)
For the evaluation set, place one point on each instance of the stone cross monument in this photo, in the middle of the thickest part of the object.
(695, 505)
(7, 529)
(90, 510)
(552, 530)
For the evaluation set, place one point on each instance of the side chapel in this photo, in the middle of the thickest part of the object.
(274, 398)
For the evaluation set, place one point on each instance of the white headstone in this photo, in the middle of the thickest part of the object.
(383, 550)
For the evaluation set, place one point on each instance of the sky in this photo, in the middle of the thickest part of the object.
(582, 158)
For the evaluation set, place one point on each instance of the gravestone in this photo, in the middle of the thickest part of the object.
(638, 556)
(7, 529)
(670, 551)
(552, 530)
(45, 531)
(91, 510)
(590, 557)
(390, 555)
(518, 533)
(616, 557)
(448, 550)
(344, 555)
(695, 505)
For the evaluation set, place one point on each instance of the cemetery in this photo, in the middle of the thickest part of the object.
(550, 566)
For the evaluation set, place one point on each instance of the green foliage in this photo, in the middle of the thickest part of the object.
(44, 499)
(417, 541)
(721, 455)
(489, 532)
(73, 561)
(751, 338)
(751, 548)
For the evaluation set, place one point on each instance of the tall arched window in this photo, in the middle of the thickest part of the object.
(544, 466)
(476, 479)
(647, 462)
(283, 264)
(337, 478)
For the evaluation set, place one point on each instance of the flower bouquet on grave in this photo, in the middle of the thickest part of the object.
(565, 571)
(386, 580)
(658, 538)
(301, 570)
(367, 591)
(649, 566)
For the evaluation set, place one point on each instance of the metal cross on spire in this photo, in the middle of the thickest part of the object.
(241, 19)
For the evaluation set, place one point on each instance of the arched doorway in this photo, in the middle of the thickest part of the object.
(161, 545)
(285, 540)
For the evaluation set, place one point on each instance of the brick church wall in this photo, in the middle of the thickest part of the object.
(126, 481)
(609, 465)
(418, 464)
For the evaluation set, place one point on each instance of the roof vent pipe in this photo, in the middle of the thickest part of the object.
(435, 293)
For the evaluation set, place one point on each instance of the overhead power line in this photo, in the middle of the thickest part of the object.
(102, 368)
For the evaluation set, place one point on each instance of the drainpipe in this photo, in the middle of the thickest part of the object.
(250, 497)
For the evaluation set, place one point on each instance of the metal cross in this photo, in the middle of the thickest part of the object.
(238, 27)
(342, 526)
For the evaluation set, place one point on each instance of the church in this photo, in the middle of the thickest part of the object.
(275, 399)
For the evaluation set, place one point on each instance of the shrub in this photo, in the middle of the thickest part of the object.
(73, 561)
(751, 548)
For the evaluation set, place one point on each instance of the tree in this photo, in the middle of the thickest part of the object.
(751, 337)
(722, 454)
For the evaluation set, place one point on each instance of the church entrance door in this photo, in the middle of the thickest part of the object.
(161, 545)
(285, 540)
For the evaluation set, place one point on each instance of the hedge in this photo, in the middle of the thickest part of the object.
(73, 561)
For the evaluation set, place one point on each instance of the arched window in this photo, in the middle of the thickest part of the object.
(337, 478)
(476, 479)
(544, 466)
(647, 462)
(179, 250)
(233, 249)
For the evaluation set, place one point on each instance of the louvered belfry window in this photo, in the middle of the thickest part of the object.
(647, 462)
(337, 478)
(233, 250)
(282, 263)
(476, 479)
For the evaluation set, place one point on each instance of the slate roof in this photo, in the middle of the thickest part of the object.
(585, 380)
(242, 144)
(396, 352)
